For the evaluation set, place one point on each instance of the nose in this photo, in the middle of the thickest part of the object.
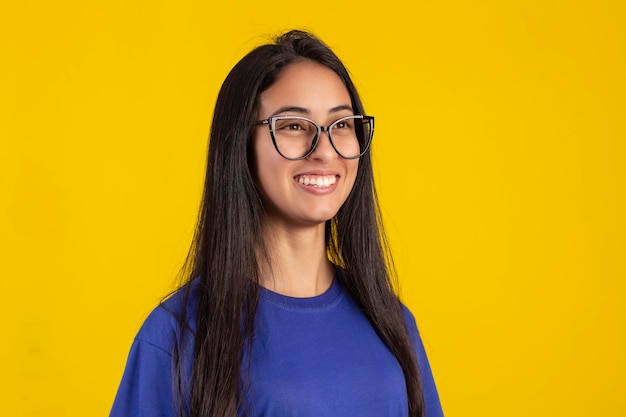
(324, 150)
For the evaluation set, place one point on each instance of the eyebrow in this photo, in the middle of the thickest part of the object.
(302, 110)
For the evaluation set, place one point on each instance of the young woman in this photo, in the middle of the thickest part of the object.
(288, 308)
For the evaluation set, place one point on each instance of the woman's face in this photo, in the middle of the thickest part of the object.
(313, 91)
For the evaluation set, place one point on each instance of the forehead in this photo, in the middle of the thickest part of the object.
(307, 85)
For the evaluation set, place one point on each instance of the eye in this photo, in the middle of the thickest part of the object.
(292, 125)
(345, 124)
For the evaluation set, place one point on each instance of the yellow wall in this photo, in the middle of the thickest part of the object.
(500, 149)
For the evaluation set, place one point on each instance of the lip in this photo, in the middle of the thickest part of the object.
(315, 190)
(317, 172)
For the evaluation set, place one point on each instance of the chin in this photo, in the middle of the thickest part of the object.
(315, 220)
(322, 216)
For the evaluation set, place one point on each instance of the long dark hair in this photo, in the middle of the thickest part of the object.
(227, 244)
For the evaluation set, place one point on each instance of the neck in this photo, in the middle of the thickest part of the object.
(297, 264)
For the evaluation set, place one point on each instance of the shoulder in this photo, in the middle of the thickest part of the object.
(414, 333)
(411, 325)
(146, 386)
(416, 340)
(165, 324)
(431, 397)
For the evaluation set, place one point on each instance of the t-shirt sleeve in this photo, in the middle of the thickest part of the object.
(431, 397)
(146, 387)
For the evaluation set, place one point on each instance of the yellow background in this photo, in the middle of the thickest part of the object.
(500, 154)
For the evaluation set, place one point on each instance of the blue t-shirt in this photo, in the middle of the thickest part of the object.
(311, 357)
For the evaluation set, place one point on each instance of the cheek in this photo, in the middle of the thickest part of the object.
(259, 155)
(353, 169)
(263, 176)
(351, 174)
(269, 167)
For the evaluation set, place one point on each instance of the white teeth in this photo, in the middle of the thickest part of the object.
(319, 181)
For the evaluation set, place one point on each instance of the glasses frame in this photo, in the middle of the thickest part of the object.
(271, 123)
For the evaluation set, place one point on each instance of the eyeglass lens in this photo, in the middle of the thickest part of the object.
(295, 137)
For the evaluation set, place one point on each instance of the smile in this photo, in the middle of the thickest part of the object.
(318, 181)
